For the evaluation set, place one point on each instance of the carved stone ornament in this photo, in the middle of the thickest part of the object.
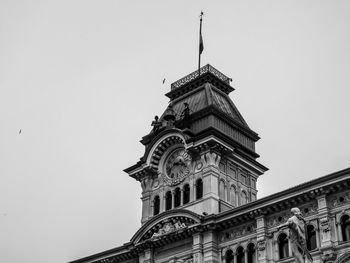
(344, 258)
(177, 167)
(340, 199)
(326, 257)
(325, 225)
(238, 232)
(168, 226)
(261, 245)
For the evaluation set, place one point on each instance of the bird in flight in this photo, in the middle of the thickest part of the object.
(163, 80)
(20, 131)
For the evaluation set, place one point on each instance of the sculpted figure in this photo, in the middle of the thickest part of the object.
(156, 124)
(296, 225)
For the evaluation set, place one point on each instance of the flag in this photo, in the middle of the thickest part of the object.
(201, 45)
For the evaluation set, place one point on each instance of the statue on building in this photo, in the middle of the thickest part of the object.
(297, 236)
(186, 112)
(185, 115)
(156, 124)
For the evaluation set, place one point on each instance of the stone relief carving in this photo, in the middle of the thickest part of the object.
(340, 199)
(261, 245)
(210, 159)
(168, 226)
(277, 219)
(327, 257)
(238, 232)
(146, 184)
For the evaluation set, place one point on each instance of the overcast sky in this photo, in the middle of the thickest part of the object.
(82, 80)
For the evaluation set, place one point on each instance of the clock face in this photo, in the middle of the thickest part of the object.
(177, 167)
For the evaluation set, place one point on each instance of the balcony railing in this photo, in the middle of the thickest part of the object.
(195, 74)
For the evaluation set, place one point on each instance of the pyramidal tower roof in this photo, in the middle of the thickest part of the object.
(200, 108)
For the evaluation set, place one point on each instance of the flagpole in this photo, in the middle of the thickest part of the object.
(200, 44)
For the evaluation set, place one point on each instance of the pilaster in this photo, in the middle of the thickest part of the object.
(197, 248)
(325, 222)
(261, 239)
(210, 247)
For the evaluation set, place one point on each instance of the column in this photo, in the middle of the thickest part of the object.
(338, 232)
(172, 199)
(235, 257)
(151, 210)
(163, 202)
(194, 191)
(245, 255)
(181, 196)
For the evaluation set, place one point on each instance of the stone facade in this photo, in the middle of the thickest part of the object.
(198, 177)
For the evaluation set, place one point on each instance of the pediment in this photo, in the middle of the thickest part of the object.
(168, 223)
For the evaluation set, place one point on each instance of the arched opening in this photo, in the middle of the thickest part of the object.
(311, 237)
(251, 253)
(283, 246)
(186, 191)
(243, 198)
(345, 227)
(199, 189)
(240, 255)
(156, 205)
(168, 200)
(177, 197)
(229, 256)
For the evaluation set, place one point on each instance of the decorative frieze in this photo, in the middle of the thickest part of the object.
(307, 210)
(238, 232)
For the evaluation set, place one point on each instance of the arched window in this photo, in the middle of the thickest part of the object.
(251, 253)
(311, 237)
(240, 255)
(345, 227)
(233, 195)
(243, 198)
(199, 189)
(177, 197)
(168, 200)
(156, 205)
(283, 246)
(222, 190)
(186, 191)
(229, 256)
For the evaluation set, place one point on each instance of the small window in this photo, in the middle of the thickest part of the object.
(177, 197)
(186, 192)
(156, 205)
(199, 189)
(251, 253)
(345, 227)
(229, 256)
(168, 200)
(283, 246)
(240, 255)
(311, 237)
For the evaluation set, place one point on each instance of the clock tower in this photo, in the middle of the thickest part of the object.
(200, 155)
